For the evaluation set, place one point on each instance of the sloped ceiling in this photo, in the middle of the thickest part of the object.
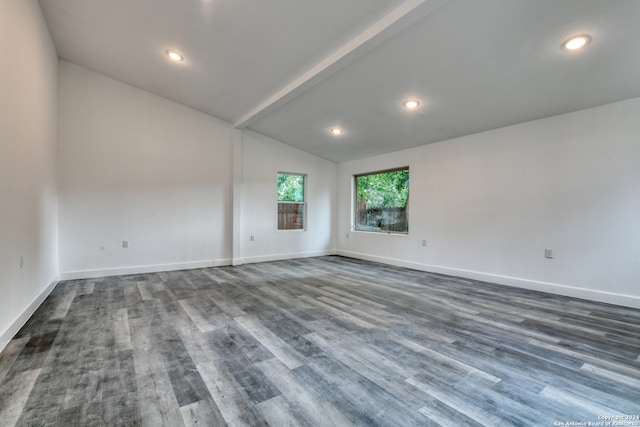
(293, 69)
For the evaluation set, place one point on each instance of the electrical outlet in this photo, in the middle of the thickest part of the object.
(347, 235)
(125, 244)
(252, 238)
(21, 260)
(424, 242)
(548, 253)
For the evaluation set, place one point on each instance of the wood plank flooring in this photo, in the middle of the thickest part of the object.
(326, 341)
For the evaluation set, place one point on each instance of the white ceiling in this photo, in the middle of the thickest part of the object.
(292, 69)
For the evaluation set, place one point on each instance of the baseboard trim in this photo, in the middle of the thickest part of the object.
(534, 285)
(15, 326)
(280, 257)
(140, 269)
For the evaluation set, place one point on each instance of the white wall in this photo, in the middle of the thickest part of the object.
(262, 159)
(28, 135)
(489, 204)
(137, 167)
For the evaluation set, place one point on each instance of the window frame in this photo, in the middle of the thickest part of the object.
(354, 198)
(303, 203)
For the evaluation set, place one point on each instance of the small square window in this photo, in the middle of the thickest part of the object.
(381, 201)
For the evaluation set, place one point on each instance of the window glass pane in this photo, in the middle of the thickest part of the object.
(290, 187)
(382, 200)
(290, 216)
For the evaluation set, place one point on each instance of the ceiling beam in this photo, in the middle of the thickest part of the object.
(402, 17)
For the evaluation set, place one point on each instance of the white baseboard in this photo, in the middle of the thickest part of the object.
(553, 288)
(140, 269)
(279, 257)
(15, 326)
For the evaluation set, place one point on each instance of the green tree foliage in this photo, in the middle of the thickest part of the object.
(290, 187)
(384, 190)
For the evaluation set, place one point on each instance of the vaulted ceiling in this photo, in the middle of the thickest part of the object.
(294, 69)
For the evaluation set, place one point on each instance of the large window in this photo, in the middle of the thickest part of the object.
(382, 201)
(291, 201)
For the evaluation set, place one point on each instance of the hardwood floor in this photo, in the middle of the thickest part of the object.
(326, 341)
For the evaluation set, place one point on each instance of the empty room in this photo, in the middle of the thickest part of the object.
(320, 213)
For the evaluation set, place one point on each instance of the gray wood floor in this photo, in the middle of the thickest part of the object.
(314, 342)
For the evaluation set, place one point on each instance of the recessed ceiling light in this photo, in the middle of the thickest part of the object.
(411, 104)
(576, 42)
(337, 131)
(174, 56)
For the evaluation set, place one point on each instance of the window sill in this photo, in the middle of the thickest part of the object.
(392, 233)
